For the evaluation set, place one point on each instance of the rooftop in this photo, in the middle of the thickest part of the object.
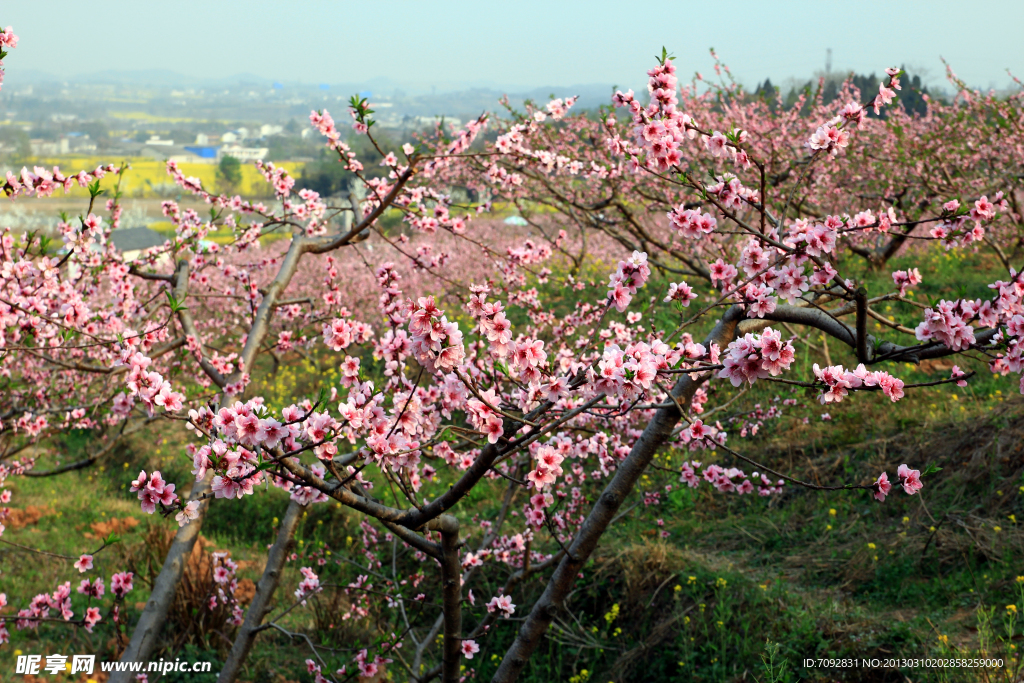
(136, 239)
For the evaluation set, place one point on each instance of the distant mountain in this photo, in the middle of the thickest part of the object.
(591, 94)
(159, 78)
(165, 78)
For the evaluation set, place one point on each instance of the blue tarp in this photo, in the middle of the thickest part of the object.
(206, 152)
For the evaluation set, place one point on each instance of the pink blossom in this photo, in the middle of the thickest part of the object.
(624, 282)
(681, 292)
(904, 279)
(469, 648)
(92, 617)
(754, 357)
(716, 144)
(882, 487)
(502, 604)
(121, 584)
(153, 490)
(891, 386)
(309, 585)
(884, 97)
(830, 139)
(983, 210)
(949, 323)
(95, 589)
(722, 272)
(83, 563)
(909, 479)
(187, 513)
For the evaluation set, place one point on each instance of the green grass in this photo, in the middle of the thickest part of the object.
(761, 569)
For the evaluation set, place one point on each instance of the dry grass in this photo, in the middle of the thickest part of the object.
(190, 619)
(642, 567)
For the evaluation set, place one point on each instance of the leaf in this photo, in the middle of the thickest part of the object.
(931, 469)
(174, 303)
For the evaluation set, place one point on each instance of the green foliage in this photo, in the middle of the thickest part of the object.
(19, 139)
(774, 665)
(230, 170)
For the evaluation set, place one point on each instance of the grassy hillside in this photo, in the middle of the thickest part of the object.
(720, 584)
(823, 575)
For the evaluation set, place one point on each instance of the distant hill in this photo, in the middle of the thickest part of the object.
(431, 98)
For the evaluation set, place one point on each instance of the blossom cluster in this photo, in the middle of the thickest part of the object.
(753, 357)
(630, 371)
(838, 381)
(148, 386)
(9, 40)
(501, 604)
(659, 128)
(436, 342)
(729, 479)
(60, 601)
(225, 584)
(691, 223)
(950, 323)
(152, 489)
(905, 279)
(909, 479)
(627, 278)
(323, 122)
(43, 183)
(309, 585)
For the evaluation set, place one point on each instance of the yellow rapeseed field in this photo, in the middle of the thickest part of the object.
(147, 177)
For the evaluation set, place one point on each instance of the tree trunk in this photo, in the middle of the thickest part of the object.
(147, 631)
(264, 592)
(451, 591)
(626, 476)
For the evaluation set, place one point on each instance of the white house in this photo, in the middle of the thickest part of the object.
(242, 153)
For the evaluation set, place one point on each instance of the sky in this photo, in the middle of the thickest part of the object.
(523, 44)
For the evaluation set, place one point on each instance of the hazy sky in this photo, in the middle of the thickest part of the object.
(527, 43)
